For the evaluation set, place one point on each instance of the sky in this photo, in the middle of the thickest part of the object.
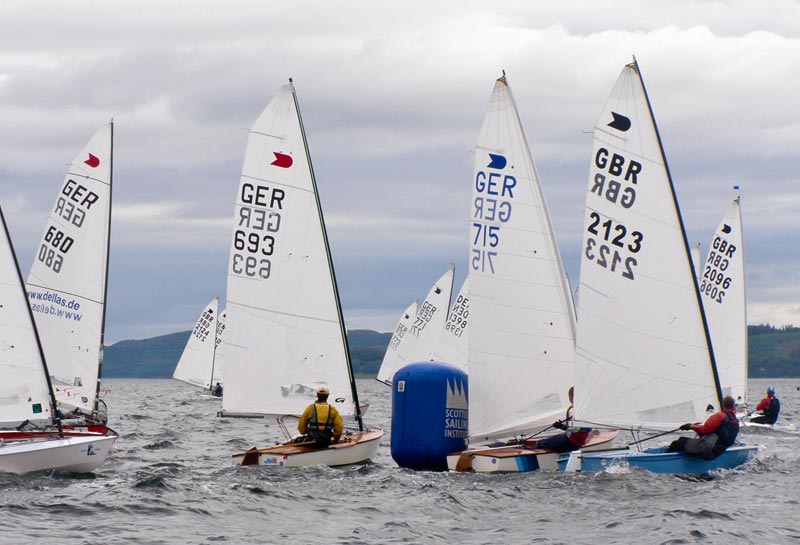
(392, 96)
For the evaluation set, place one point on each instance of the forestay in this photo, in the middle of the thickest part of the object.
(643, 358)
(67, 283)
(197, 365)
(522, 324)
(722, 286)
(24, 393)
(421, 341)
(284, 337)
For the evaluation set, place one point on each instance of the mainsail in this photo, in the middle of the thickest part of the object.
(723, 289)
(67, 284)
(197, 365)
(421, 340)
(643, 356)
(24, 391)
(393, 354)
(522, 327)
(286, 334)
(453, 345)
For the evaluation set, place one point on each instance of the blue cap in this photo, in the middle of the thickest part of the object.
(770, 390)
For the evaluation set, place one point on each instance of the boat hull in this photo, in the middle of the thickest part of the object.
(658, 460)
(518, 458)
(351, 449)
(80, 453)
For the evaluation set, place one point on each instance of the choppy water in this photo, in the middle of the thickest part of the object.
(170, 481)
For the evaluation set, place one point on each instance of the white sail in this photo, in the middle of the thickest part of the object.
(421, 340)
(643, 358)
(218, 372)
(389, 364)
(521, 333)
(285, 336)
(452, 346)
(198, 358)
(67, 283)
(24, 394)
(723, 289)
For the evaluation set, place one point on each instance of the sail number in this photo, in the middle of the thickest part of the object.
(715, 282)
(457, 321)
(424, 315)
(55, 246)
(399, 333)
(494, 194)
(257, 233)
(613, 241)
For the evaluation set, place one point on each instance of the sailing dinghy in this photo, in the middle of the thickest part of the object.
(198, 365)
(68, 281)
(722, 288)
(419, 342)
(522, 321)
(644, 359)
(26, 392)
(286, 332)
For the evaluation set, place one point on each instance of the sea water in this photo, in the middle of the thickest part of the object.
(169, 480)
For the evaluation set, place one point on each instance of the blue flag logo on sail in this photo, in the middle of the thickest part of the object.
(497, 161)
(620, 122)
(726, 228)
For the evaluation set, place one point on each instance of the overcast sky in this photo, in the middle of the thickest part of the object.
(392, 96)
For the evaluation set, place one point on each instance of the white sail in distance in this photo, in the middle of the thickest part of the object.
(522, 323)
(24, 393)
(643, 358)
(392, 355)
(284, 337)
(421, 340)
(67, 283)
(453, 346)
(722, 286)
(197, 362)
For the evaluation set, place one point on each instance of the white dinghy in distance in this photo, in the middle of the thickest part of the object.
(286, 334)
(522, 320)
(26, 390)
(392, 354)
(68, 281)
(644, 359)
(421, 341)
(198, 365)
(722, 285)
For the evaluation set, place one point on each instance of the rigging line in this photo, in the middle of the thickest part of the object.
(282, 184)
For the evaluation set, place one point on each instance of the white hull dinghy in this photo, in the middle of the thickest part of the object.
(286, 333)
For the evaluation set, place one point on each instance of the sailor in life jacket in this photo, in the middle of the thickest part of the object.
(770, 407)
(321, 422)
(715, 435)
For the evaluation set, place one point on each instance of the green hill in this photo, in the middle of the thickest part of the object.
(774, 352)
(157, 357)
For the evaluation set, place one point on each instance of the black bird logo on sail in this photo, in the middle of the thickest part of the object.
(726, 228)
(620, 122)
(497, 161)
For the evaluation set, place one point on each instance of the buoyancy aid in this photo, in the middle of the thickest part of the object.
(771, 412)
(726, 433)
(321, 431)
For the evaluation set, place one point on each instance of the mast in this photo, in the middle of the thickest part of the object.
(712, 359)
(105, 286)
(35, 329)
(214, 351)
(350, 374)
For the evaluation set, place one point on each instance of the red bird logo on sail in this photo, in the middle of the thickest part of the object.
(92, 161)
(282, 160)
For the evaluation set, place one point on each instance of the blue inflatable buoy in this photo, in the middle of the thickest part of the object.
(430, 414)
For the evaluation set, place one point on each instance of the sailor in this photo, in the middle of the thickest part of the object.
(571, 439)
(714, 436)
(321, 422)
(217, 390)
(770, 407)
